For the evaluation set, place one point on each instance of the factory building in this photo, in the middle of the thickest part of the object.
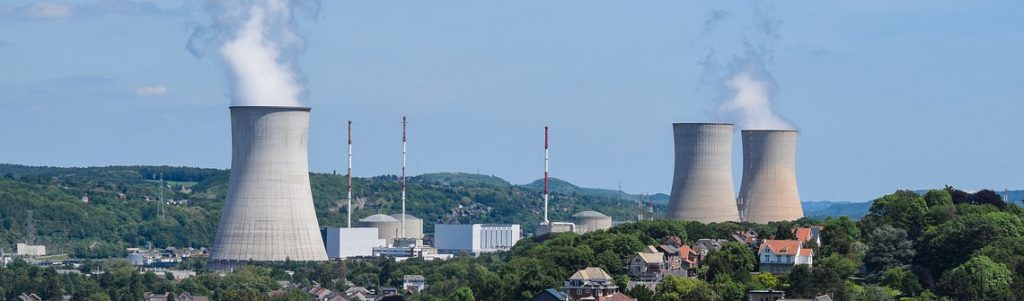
(702, 187)
(555, 227)
(29, 250)
(388, 228)
(476, 238)
(588, 221)
(351, 242)
(268, 214)
(769, 191)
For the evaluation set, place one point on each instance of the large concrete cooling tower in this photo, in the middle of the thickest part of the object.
(268, 214)
(769, 191)
(702, 186)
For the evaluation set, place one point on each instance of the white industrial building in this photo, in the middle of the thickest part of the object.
(30, 250)
(351, 242)
(476, 238)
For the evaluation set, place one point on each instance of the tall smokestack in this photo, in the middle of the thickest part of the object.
(349, 198)
(403, 176)
(268, 214)
(769, 189)
(546, 175)
(702, 187)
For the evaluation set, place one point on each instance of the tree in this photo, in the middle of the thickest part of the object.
(979, 278)
(734, 259)
(888, 247)
(829, 275)
(874, 293)
(763, 281)
(462, 294)
(937, 197)
(674, 288)
(949, 244)
(800, 281)
(903, 209)
(902, 280)
(838, 235)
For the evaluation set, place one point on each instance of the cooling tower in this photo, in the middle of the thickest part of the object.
(702, 188)
(268, 214)
(769, 191)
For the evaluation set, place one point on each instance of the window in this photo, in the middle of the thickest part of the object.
(766, 258)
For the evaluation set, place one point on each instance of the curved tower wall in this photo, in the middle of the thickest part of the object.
(769, 189)
(386, 230)
(268, 214)
(702, 188)
(413, 226)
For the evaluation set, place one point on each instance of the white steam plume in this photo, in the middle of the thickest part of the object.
(747, 88)
(751, 102)
(257, 40)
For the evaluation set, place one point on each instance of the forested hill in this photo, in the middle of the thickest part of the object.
(123, 206)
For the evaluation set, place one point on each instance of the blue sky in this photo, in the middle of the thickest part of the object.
(888, 95)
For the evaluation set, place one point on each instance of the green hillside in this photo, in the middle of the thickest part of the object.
(123, 208)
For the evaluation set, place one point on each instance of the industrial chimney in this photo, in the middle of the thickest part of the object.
(702, 187)
(268, 214)
(769, 191)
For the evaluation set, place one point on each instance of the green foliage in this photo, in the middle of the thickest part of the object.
(979, 278)
(902, 280)
(838, 236)
(888, 247)
(903, 209)
(462, 294)
(734, 260)
(948, 244)
(763, 281)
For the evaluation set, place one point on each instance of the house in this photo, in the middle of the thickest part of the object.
(29, 297)
(189, 297)
(414, 283)
(766, 295)
(688, 259)
(550, 295)
(748, 237)
(590, 284)
(808, 234)
(779, 256)
(358, 293)
(319, 292)
(704, 246)
(647, 266)
(157, 297)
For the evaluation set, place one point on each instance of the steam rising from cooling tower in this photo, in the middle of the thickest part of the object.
(268, 214)
(702, 188)
(769, 189)
(258, 42)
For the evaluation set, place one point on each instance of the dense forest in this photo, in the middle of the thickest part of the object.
(124, 207)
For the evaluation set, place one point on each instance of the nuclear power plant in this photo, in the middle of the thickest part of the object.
(268, 214)
(769, 189)
(702, 188)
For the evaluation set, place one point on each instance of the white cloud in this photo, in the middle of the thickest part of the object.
(49, 10)
(151, 90)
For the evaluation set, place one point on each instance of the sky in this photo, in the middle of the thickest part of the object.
(887, 95)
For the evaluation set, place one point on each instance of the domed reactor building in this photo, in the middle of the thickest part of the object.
(268, 214)
(702, 188)
(769, 192)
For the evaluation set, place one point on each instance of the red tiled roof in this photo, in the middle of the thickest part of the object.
(618, 296)
(685, 250)
(806, 252)
(803, 234)
(780, 247)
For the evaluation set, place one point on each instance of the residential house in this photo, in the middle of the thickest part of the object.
(647, 266)
(157, 297)
(319, 292)
(590, 284)
(189, 297)
(704, 246)
(29, 297)
(688, 259)
(766, 295)
(550, 295)
(808, 234)
(358, 293)
(414, 283)
(779, 256)
(748, 237)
